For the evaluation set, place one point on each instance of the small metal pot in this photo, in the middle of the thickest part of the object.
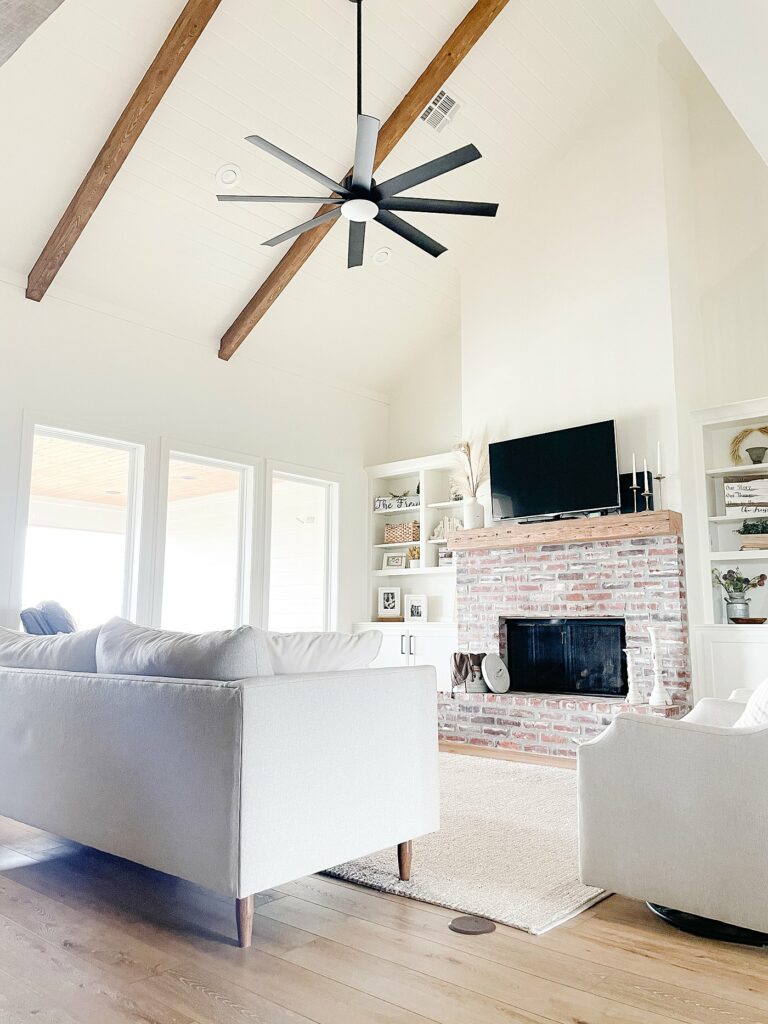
(737, 609)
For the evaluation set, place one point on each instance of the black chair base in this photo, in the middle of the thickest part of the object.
(707, 929)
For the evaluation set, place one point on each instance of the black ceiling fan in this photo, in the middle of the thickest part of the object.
(359, 198)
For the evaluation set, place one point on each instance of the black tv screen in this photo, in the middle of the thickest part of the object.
(574, 470)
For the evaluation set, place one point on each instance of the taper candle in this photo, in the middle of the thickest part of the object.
(634, 470)
(658, 458)
(645, 475)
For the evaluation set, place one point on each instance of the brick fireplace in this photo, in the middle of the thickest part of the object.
(638, 579)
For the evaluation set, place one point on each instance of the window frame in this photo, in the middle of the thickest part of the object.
(333, 483)
(139, 458)
(248, 595)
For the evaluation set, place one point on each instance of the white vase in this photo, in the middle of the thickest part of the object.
(474, 514)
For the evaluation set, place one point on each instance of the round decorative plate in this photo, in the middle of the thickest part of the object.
(749, 622)
(495, 674)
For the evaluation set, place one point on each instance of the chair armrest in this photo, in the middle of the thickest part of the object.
(712, 711)
(667, 807)
(741, 695)
(335, 766)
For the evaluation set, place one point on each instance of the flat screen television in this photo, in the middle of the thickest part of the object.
(562, 472)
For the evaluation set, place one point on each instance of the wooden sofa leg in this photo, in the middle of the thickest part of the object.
(245, 921)
(404, 854)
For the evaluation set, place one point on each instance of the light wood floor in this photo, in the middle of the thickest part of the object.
(89, 938)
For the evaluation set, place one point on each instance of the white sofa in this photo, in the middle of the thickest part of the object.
(676, 812)
(237, 786)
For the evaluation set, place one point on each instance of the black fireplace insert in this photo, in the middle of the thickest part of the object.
(566, 656)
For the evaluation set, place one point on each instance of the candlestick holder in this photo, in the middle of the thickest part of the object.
(660, 478)
(634, 488)
(647, 495)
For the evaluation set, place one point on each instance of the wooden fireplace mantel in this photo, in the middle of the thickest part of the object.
(568, 531)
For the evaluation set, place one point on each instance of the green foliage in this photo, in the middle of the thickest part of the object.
(754, 526)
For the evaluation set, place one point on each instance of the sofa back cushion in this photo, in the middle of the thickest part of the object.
(756, 711)
(299, 653)
(64, 652)
(124, 648)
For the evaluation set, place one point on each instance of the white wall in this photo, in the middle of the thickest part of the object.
(728, 40)
(566, 319)
(425, 405)
(70, 365)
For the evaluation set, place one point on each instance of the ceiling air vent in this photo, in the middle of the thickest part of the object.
(440, 111)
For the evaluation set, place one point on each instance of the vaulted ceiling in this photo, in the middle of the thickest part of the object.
(160, 250)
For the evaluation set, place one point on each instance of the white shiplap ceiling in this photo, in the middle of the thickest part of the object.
(160, 249)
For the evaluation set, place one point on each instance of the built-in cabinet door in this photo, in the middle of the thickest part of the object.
(433, 649)
(393, 652)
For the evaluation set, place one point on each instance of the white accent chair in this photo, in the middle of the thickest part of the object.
(237, 786)
(675, 812)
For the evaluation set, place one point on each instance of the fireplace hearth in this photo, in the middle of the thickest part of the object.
(565, 656)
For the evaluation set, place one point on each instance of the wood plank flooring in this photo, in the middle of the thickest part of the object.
(86, 938)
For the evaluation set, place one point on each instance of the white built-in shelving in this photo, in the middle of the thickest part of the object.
(720, 539)
(429, 477)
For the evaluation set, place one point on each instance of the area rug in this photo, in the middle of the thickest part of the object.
(507, 848)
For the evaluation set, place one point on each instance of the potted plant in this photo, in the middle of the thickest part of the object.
(757, 532)
(736, 588)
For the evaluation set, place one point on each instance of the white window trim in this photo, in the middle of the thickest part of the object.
(139, 450)
(250, 557)
(333, 482)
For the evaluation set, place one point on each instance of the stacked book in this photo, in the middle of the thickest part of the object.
(746, 497)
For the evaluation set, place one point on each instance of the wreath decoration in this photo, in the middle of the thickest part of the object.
(739, 440)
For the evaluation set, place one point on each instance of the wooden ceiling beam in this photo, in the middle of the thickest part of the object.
(178, 45)
(450, 56)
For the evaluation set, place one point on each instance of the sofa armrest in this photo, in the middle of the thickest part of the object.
(143, 768)
(335, 766)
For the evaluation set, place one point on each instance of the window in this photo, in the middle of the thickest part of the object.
(82, 524)
(204, 579)
(301, 577)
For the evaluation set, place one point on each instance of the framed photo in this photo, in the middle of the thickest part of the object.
(444, 558)
(392, 561)
(415, 608)
(389, 603)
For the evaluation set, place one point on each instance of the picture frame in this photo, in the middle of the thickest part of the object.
(415, 607)
(445, 558)
(394, 561)
(389, 603)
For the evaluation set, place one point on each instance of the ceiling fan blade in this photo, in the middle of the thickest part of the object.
(301, 228)
(440, 206)
(356, 243)
(277, 199)
(298, 165)
(408, 231)
(365, 150)
(430, 170)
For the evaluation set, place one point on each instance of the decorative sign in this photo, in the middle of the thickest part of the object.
(746, 497)
(385, 503)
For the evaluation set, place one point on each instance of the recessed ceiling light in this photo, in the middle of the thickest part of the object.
(112, 492)
(228, 176)
(382, 256)
(189, 477)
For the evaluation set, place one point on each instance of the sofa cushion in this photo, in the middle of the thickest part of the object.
(65, 652)
(756, 711)
(299, 653)
(124, 648)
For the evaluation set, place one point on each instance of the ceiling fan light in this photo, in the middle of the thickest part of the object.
(359, 210)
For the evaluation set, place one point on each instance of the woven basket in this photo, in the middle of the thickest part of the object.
(401, 533)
